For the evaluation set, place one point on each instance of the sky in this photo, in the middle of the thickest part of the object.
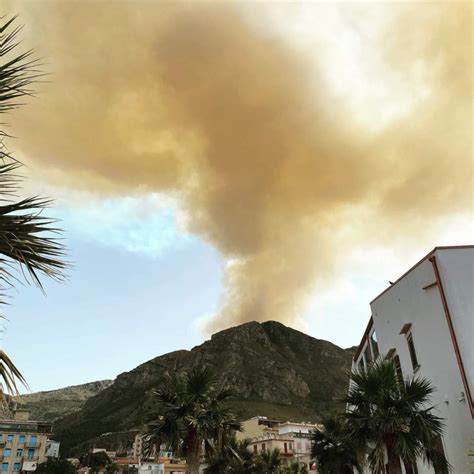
(217, 163)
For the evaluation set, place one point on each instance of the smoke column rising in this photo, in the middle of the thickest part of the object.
(268, 165)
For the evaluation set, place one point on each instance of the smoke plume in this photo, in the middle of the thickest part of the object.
(271, 167)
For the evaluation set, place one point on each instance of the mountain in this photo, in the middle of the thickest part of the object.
(54, 404)
(274, 370)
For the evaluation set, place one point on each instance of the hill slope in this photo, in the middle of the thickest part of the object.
(54, 404)
(274, 370)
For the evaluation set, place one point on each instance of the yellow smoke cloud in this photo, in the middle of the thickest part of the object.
(196, 101)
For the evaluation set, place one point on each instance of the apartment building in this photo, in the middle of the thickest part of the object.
(292, 439)
(425, 322)
(22, 443)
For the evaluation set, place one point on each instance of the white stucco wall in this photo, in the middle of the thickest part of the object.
(407, 302)
(456, 269)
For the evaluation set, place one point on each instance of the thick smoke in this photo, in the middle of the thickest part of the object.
(193, 100)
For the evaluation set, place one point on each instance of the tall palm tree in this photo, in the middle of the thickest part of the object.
(27, 239)
(388, 414)
(332, 449)
(190, 414)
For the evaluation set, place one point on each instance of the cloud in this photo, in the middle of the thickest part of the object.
(142, 225)
(269, 163)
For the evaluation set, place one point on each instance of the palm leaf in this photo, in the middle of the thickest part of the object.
(28, 240)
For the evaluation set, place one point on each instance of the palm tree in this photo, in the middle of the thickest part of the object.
(234, 457)
(190, 414)
(386, 413)
(271, 460)
(332, 449)
(27, 239)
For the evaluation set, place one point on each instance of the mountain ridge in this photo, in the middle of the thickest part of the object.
(273, 369)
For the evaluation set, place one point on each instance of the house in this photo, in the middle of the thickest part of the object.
(22, 442)
(425, 322)
(52, 449)
(292, 439)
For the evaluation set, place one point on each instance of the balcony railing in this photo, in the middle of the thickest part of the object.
(32, 445)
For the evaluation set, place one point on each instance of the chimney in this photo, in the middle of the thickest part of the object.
(21, 415)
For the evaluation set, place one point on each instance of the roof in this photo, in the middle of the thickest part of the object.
(426, 257)
(448, 247)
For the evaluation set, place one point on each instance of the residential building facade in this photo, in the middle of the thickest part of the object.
(425, 322)
(22, 443)
(292, 439)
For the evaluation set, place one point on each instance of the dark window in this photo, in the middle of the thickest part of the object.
(285, 447)
(439, 447)
(361, 365)
(411, 348)
(375, 345)
(398, 366)
(367, 355)
(255, 447)
(263, 447)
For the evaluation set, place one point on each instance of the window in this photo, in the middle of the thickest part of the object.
(375, 345)
(19, 452)
(10, 438)
(7, 452)
(263, 447)
(440, 448)
(255, 448)
(31, 453)
(21, 439)
(16, 467)
(398, 366)
(5, 467)
(360, 365)
(368, 355)
(33, 440)
(411, 349)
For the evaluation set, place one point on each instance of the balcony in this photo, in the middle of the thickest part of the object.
(30, 458)
(32, 445)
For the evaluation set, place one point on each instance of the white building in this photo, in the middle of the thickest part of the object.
(52, 449)
(425, 321)
(292, 439)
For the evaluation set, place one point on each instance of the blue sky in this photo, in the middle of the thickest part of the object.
(133, 294)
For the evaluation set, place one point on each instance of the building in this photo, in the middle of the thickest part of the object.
(257, 426)
(301, 435)
(271, 441)
(425, 321)
(52, 449)
(292, 439)
(22, 443)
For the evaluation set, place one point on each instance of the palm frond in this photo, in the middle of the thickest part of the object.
(27, 238)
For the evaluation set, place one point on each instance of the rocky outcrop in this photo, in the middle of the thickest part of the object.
(54, 404)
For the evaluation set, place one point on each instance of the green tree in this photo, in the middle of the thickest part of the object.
(234, 457)
(271, 460)
(98, 461)
(189, 414)
(27, 239)
(332, 448)
(112, 468)
(56, 466)
(386, 412)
